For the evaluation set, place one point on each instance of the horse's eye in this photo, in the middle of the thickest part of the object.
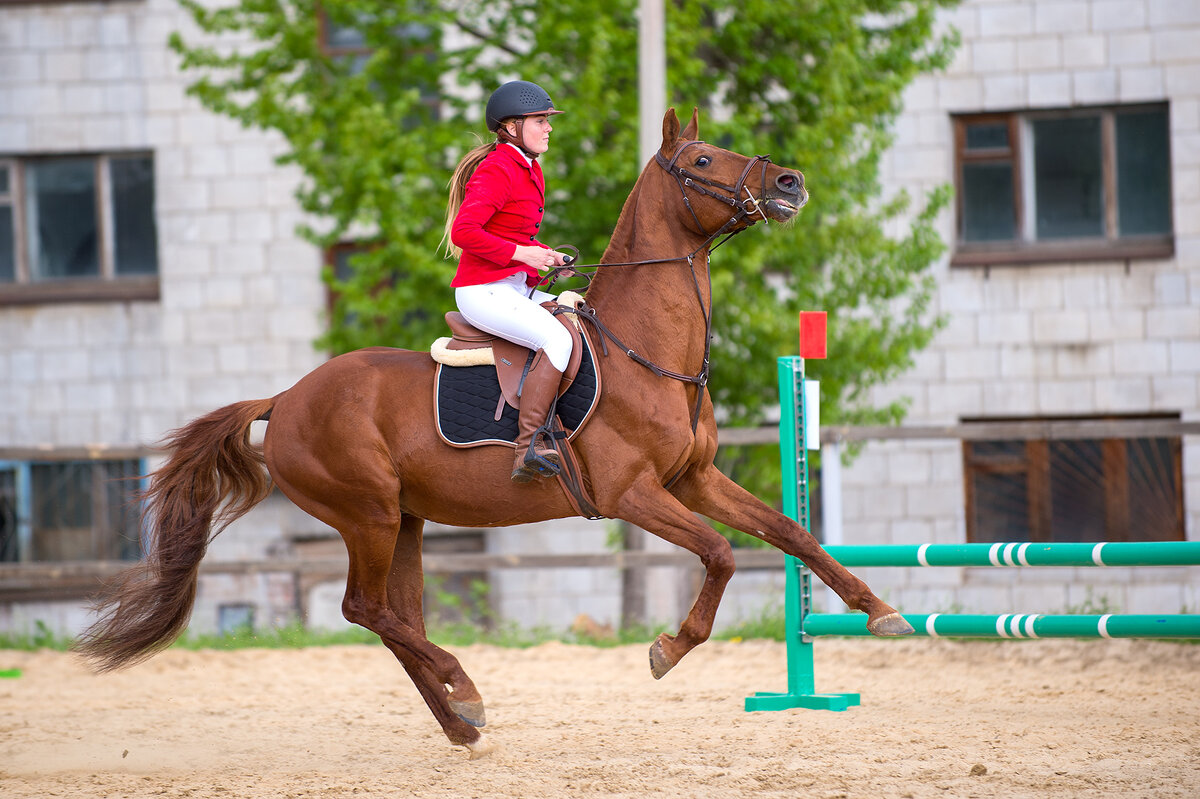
(703, 160)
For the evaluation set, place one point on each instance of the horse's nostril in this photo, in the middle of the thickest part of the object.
(791, 182)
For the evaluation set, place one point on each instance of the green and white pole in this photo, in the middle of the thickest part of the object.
(1017, 625)
(794, 445)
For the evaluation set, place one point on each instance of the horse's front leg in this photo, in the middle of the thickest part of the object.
(711, 493)
(652, 508)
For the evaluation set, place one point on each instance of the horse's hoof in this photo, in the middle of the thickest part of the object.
(482, 747)
(470, 712)
(659, 664)
(889, 625)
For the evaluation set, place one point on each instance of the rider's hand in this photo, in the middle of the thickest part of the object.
(539, 258)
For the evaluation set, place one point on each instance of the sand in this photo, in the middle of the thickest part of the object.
(938, 719)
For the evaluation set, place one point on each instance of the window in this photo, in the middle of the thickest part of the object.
(78, 227)
(69, 510)
(1086, 489)
(348, 44)
(338, 261)
(1063, 185)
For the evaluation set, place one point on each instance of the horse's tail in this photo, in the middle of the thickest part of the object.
(213, 476)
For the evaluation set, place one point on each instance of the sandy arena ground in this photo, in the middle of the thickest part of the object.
(938, 719)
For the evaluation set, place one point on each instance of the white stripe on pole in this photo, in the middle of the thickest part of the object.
(922, 554)
(1098, 555)
(930, 627)
(1102, 625)
(1029, 633)
(1001, 629)
(993, 554)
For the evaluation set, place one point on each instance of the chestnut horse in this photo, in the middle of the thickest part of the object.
(353, 443)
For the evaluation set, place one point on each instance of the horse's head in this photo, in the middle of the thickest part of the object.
(724, 190)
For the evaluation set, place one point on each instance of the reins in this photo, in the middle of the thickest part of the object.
(745, 209)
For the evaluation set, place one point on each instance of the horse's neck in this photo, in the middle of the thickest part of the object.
(654, 304)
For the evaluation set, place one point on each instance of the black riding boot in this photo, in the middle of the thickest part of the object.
(537, 398)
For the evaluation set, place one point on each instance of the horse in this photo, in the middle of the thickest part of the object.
(353, 444)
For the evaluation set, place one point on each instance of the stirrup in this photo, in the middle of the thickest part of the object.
(543, 466)
(535, 465)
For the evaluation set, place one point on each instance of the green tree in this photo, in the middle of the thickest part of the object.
(815, 83)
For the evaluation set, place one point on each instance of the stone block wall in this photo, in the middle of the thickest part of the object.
(241, 299)
(1045, 339)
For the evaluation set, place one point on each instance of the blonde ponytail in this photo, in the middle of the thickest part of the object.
(458, 190)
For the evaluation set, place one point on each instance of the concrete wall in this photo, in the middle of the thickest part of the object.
(241, 300)
(1046, 339)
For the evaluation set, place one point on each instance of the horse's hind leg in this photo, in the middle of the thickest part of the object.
(652, 508)
(372, 544)
(716, 496)
(405, 586)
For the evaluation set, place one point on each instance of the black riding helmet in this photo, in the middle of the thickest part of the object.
(517, 98)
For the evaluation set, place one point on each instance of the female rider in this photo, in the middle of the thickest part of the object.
(497, 199)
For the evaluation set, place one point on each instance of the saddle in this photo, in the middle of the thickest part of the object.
(478, 372)
(470, 346)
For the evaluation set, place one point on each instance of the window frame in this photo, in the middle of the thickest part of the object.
(1024, 249)
(108, 285)
(26, 501)
(1035, 463)
(430, 96)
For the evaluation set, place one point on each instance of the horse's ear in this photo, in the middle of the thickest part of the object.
(692, 131)
(670, 131)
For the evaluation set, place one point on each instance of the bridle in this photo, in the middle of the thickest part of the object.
(732, 196)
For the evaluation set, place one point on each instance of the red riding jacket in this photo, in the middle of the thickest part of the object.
(504, 203)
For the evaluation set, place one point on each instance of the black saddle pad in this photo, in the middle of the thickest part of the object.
(467, 397)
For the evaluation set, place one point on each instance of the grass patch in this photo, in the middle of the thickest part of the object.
(293, 636)
(41, 638)
(768, 625)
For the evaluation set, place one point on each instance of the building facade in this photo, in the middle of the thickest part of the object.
(150, 272)
(1070, 130)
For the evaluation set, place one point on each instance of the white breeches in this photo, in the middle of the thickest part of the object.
(505, 309)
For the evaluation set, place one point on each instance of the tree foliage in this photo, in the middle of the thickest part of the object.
(814, 83)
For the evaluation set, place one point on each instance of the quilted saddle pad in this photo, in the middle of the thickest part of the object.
(467, 396)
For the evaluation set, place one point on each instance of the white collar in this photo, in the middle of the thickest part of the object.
(528, 160)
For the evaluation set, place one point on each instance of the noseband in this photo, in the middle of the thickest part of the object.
(733, 194)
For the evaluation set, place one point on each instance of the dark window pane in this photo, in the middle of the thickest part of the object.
(987, 136)
(1001, 507)
(344, 37)
(1153, 490)
(342, 268)
(1069, 184)
(61, 218)
(1077, 491)
(84, 510)
(9, 543)
(8, 256)
(3, 180)
(1143, 173)
(988, 210)
(998, 451)
(136, 246)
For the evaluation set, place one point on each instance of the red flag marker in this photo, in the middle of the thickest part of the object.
(812, 334)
